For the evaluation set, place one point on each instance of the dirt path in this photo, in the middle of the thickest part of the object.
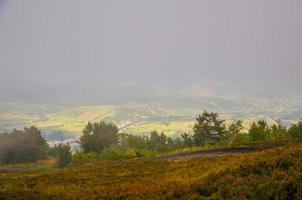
(215, 153)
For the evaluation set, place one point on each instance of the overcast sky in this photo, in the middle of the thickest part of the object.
(151, 44)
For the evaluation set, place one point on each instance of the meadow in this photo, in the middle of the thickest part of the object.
(173, 116)
(137, 119)
(275, 173)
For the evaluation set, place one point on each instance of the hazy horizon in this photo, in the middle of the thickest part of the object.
(116, 50)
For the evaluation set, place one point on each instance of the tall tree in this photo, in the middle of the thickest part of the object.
(259, 131)
(234, 130)
(64, 155)
(187, 139)
(208, 128)
(278, 131)
(295, 130)
(98, 136)
(157, 141)
(133, 141)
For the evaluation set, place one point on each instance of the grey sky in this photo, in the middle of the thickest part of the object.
(151, 44)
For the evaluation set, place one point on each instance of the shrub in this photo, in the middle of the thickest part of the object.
(63, 154)
(208, 129)
(22, 146)
(258, 131)
(82, 156)
(295, 130)
(117, 153)
(21, 154)
(187, 140)
(98, 136)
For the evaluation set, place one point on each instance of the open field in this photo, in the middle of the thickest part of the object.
(275, 173)
(74, 120)
(137, 119)
(173, 115)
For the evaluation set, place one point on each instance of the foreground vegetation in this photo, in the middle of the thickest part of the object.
(272, 174)
(102, 140)
(108, 166)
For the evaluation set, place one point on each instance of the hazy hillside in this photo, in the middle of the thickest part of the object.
(171, 114)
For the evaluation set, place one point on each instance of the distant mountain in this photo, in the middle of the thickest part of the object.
(67, 91)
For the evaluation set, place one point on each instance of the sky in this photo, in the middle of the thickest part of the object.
(134, 48)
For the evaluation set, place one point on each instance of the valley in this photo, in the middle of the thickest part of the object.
(172, 115)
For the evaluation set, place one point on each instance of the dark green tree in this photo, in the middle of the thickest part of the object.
(295, 130)
(157, 141)
(235, 127)
(22, 146)
(187, 140)
(87, 142)
(278, 131)
(133, 141)
(64, 154)
(234, 130)
(259, 131)
(208, 128)
(98, 136)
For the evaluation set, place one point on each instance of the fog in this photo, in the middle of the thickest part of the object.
(135, 49)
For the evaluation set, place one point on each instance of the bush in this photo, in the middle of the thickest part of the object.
(240, 139)
(208, 129)
(22, 146)
(82, 156)
(21, 154)
(98, 136)
(63, 154)
(133, 141)
(295, 130)
(258, 131)
(118, 153)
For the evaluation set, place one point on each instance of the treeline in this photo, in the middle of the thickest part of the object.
(22, 146)
(28, 145)
(103, 140)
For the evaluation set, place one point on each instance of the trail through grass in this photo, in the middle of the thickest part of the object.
(267, 172)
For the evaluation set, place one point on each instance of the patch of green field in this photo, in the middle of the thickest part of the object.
(141, 119)
(74, 120)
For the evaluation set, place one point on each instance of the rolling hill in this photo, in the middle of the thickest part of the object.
(173, 115)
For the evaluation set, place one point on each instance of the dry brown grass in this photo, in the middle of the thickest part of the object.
(213, 178)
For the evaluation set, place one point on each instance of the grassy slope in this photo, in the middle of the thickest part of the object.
(265, 175)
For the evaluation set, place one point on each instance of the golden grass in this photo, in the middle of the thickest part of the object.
(142, 179)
